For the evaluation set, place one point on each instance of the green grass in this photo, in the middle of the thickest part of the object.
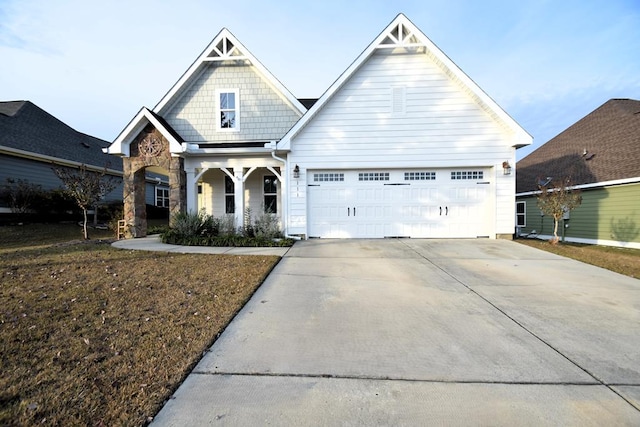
(93, 335)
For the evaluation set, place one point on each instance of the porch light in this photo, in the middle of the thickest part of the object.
(296, 172)
(506, 168)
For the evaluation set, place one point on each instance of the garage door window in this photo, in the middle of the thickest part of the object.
(419, 176)
(467, 175)
(373, 176)
(328, 177)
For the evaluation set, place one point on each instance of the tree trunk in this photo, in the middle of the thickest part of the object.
(555, 231)
(84, 225)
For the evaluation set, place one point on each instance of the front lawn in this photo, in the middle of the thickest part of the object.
(92, 335)
(621, 260)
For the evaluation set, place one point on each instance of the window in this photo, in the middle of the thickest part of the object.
(373, 176)
(162, 197)
(419, 176)
(521, 216)
(229, 195)
(270, 194)
(228, 113)
(467, 175)
(328, 177)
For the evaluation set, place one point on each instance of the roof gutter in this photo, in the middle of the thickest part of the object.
(57, 160)
(624, 181)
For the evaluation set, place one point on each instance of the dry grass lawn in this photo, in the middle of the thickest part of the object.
(621, 260)
(92, 335)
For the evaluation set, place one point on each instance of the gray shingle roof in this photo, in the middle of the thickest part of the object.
(25, 126)
(602, 146)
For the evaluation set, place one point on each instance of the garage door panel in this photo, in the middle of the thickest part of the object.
(442, 207)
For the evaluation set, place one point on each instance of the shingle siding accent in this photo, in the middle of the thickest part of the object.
(264, 114)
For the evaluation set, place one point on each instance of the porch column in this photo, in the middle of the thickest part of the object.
(177, 188)
(238, 174)
(192, 192)
(135, 210)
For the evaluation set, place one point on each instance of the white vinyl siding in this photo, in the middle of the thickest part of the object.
(442, 127)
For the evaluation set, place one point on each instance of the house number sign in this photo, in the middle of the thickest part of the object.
(150, 146)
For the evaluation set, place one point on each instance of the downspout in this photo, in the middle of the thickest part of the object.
(274, 147)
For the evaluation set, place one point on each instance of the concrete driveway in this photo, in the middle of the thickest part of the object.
(419, 332)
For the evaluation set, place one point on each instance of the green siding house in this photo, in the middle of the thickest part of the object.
(601, 155)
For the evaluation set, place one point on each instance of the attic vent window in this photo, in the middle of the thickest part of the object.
(398, 100)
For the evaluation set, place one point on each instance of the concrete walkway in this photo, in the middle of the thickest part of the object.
(422, 332)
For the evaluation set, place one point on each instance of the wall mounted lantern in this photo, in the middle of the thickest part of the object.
(296, 172)
(506, 168)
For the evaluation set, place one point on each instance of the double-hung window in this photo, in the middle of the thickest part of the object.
(270, 194)
(229, 195)
(162, 197)
(521, 214)
(228, 109)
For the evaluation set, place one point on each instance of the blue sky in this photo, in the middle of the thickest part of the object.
(94, 64)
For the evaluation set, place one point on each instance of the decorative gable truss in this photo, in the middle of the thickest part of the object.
(225, 50)
(401, 36)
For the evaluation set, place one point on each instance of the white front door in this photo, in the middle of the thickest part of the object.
(397, 203)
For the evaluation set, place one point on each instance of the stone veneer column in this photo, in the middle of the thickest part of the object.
(135, 212)
(177, 188)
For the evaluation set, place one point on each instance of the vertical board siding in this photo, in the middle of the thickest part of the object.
(264, 114)
(440, 127)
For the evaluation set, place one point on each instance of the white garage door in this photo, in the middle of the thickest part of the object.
(397, 203)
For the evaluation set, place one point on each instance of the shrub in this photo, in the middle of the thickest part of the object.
(200, 229)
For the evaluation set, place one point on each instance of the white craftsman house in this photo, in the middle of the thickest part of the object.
(403, 144)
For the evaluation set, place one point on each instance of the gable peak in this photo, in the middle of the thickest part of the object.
(401, 33)
(224, 47)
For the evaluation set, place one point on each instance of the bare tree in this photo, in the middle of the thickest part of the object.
(556, 198)
(86, 187)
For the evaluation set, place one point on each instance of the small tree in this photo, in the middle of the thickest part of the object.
(87, 188)
(556, 198)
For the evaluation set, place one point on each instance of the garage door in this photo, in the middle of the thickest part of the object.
(397, 203)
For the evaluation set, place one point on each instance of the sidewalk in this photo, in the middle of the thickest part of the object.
(153, 243)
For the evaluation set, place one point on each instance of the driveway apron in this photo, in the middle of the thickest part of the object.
(409, 332)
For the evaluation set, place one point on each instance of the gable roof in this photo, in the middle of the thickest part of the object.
(602, 146)
(402, 33)
(28, 131)
(144, 117)
(224, 47)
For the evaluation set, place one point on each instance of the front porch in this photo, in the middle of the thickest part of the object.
(236, 187)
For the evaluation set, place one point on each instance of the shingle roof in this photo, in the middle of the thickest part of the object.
(25, 126)
(602, 146)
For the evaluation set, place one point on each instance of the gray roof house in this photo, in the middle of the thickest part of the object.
(600, 154)
(32, 141)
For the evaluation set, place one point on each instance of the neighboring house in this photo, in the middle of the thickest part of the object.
(402, 144)
(32, 141)
(600, 154)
